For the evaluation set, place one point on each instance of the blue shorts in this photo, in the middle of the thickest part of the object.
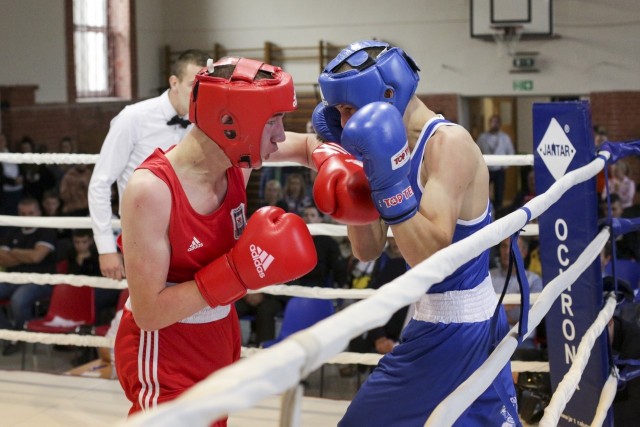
(430, 362)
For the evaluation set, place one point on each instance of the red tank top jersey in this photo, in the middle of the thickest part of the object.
(158, 366)
(197, 239)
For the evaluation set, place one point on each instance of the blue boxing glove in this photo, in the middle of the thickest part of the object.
(376, 133)
(326, 122)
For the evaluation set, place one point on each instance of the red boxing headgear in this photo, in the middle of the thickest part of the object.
(233, 111)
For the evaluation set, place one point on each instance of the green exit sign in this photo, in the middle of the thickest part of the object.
(523, 85)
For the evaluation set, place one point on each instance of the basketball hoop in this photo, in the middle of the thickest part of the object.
(507, 38)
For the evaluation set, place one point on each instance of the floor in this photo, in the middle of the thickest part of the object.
(44, 394)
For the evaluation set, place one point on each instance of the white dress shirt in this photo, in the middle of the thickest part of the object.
(133, 135)
(498, 143)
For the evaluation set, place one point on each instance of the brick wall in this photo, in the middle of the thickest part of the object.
(445, 104)
(46, 124)
(618, 112)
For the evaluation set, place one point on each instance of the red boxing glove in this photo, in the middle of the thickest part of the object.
(275, 247)
(341, 188)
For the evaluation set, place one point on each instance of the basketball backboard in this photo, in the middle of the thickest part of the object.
(533, 17)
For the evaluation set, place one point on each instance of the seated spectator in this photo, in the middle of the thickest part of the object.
(600, 136)
(51, 203)
(273, 195)
(36, 178)
(82, 259)
(624, 336)
(499, 276)
(381, 340)
(526, 193)
(331, 269)
(295, 194)
(627, 246)
(25, 250)
(10, 183)
(52, 206)
(621, 184)
(74, 191)
(265, 308)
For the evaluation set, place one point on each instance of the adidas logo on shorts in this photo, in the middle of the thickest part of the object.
(261, 259)
(195, 244)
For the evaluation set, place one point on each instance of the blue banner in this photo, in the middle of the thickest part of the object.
(563, 141)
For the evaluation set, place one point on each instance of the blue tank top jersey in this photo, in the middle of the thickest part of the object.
(470, 274)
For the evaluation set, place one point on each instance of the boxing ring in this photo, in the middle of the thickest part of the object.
(262, 375)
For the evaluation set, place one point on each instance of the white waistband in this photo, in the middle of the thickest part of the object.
(473, 305)
(206, 315)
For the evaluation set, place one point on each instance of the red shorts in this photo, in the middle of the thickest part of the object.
(157, 366)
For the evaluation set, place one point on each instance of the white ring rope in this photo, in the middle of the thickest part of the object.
(49, 158)
(566, 387)
(65, 158)
(71, 222)
(61, 339)
(448, 411)
(606, 398)
(273, 371)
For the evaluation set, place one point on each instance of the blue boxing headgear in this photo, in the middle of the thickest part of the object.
(357, 78)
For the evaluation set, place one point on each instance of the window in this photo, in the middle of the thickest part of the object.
(91, 49)
(98, 38)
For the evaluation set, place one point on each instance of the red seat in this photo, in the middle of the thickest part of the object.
(70, 307)
(122, 299)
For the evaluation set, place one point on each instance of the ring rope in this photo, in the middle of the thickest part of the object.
(566, 387)
(71, 158)
(606, 398)
(284, 362)
(60, 339)
(448, 411)
(71, 222)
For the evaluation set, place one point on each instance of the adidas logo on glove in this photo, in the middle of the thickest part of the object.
(261, 259)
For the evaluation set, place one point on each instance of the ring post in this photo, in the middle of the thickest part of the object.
(563, 141)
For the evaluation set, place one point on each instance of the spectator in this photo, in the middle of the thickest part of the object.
(599, 137)
(295, 193)
(67, 146)
(621, 184)
(37, 178)
(25, 250)
(74, 190)
(331, 267)
(82, 259)
(51, 203)
(273, 195)
(381, 340)
(52, 206)
(499, 277)
(265, 308)
(627, 245)
(526, 193)
(624, 333)
(10, 183)
(494, 142)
